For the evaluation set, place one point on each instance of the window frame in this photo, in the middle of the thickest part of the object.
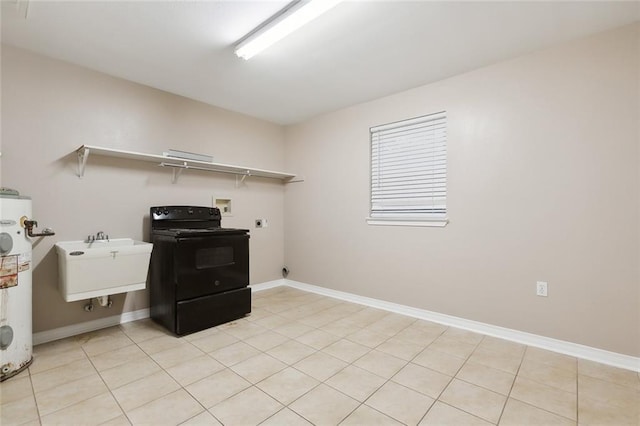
(423, 219)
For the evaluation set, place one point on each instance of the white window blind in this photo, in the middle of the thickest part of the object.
(409, 169)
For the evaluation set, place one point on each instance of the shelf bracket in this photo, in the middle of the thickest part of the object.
(83, 155)
(241, 180)
(177, 171)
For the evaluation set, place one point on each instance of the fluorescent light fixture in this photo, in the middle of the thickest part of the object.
(292, 17)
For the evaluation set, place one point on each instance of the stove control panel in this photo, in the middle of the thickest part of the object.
(185, 213)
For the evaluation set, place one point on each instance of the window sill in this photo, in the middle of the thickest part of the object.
(439, 223)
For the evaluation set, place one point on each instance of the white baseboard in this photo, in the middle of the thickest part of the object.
(267, 285)
(568, 348)
(87, 326)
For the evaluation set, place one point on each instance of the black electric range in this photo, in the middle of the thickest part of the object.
(199, 273)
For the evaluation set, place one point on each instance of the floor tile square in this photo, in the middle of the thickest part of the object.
(48, 356)
(489, 378)
(285, 417)
(553, 359)
(474, 400)
(203, 419)
(15, 389)
(144, 329)
(102, 341)
(293, 329)
(19, 411)
(171, 409)
(320, 366)
(505, 361)
(272, 321)
(249, 407)
(173, 356)
(441, 414)
(517, 413)
(341, 328)
(365, 415)
(287, 385)
(359, 384)
(391, 324)
(324, 406)
(424, 380)
(266, 340)
(195, 369)
(258, 367)
(546, 397)
(117, 357)
(439, 361)
(291, 352)
(99, 409)
(607, 392)
(317, 339)
(142, 391)
(463, 335)
(130, 372)
(453, 346)
(161, 343)
(213, 342)
(400, 403)
(346, 350)
(549, 375)
(367, 316)
(608, 373)
(502, 346)
(70, 393)
(596, 412)
(367, 338)
(226, 384)
(234, 353)
(60, 375)
(401, 348)
(380, 363)
(243, 329)
(417, 335)
(121, 420)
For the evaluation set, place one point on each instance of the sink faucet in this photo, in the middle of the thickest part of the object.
(100, 236)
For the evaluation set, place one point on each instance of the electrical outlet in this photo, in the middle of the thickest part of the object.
(261, 223)
(541, 288)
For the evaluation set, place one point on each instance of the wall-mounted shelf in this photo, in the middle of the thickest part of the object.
(179, 164)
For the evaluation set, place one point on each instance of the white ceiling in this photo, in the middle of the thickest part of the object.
(358, 51)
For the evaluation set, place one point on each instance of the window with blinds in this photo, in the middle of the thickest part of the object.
(409, 170)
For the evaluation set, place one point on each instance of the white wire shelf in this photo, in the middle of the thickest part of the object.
(179, 164)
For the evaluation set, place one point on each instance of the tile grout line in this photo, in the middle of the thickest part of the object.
(515, 377)
(105, 383)
(452, 378)
(33, 390)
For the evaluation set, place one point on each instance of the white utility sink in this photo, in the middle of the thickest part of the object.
(102, 267)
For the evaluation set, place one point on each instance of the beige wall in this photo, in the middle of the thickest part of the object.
(50, 108)
(543, 185)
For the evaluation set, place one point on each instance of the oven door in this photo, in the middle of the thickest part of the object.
(209, 265)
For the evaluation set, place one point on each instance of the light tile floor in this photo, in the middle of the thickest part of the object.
(302, 359)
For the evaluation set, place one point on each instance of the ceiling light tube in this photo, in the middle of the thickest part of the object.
(282, 24)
